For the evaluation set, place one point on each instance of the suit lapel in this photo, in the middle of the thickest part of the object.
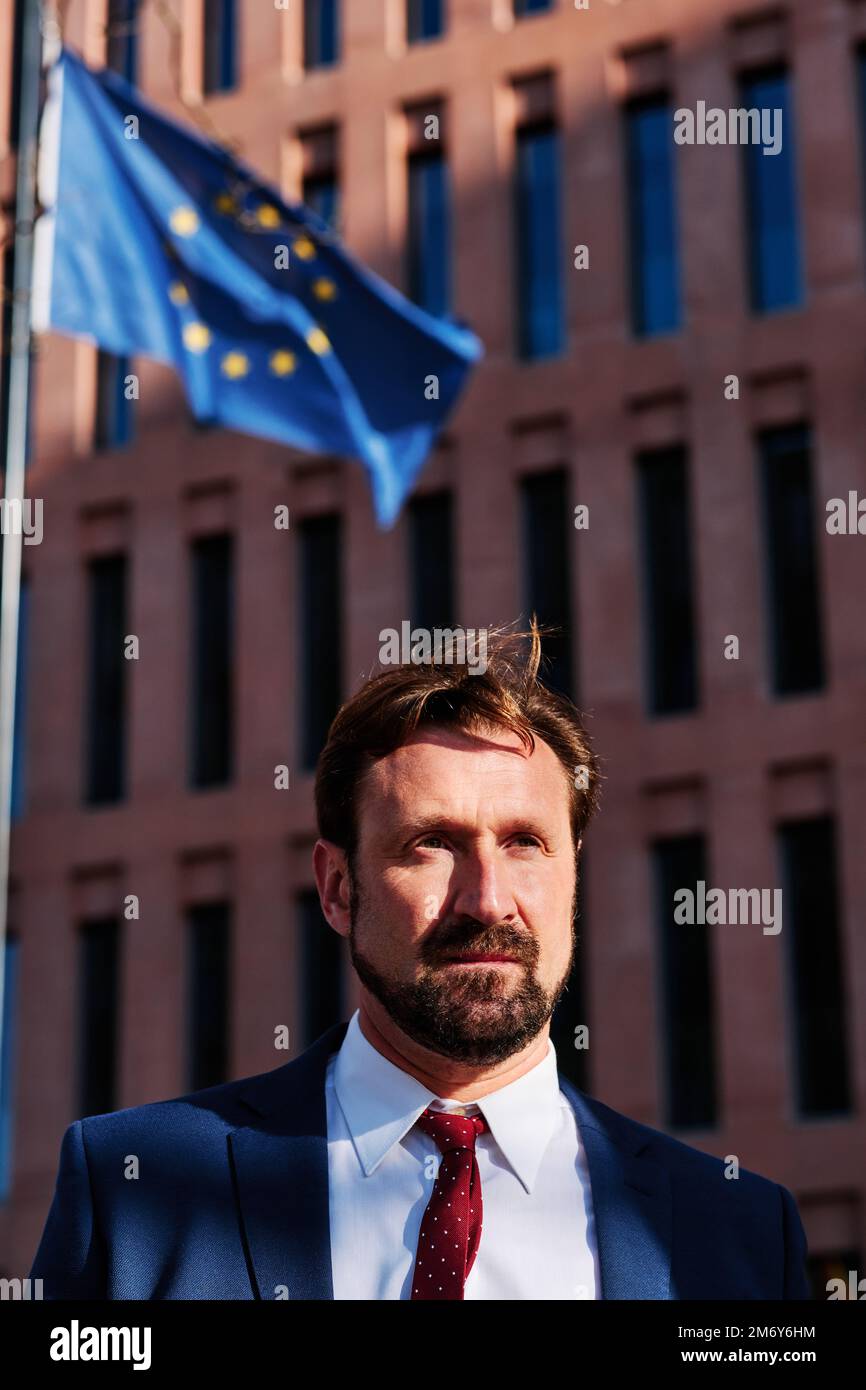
(631, 1201)
(280, 1164)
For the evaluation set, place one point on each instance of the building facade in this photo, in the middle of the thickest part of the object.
(671, 396)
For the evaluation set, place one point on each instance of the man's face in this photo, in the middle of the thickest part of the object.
(462, 900)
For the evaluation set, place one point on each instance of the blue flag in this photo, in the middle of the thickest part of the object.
(157, 241)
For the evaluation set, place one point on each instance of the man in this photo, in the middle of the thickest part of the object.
(429, 1149)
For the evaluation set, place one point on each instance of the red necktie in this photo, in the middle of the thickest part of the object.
(451, 1228)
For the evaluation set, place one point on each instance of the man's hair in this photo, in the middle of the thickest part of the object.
(393, 704)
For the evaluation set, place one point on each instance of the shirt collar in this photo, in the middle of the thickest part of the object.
(381, 1103)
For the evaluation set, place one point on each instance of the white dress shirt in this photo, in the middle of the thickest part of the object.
(538, 1232)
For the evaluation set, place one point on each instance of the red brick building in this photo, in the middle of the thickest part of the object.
(675, 341)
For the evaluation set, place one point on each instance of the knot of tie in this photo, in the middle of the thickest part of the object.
(450, 1130)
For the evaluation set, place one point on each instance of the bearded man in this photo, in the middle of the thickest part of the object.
(429, 1149)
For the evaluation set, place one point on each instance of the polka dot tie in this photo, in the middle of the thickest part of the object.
(451, 1228)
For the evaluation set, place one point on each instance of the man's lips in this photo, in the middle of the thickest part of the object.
(482, 958)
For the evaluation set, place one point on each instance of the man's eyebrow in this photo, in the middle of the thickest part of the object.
(425, 824)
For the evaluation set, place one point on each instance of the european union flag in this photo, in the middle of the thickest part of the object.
(157, 241)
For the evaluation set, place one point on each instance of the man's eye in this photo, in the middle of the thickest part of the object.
(426, 842)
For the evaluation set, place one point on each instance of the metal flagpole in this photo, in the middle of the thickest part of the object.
(16, 434)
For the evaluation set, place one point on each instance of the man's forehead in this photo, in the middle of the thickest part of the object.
(502, 752)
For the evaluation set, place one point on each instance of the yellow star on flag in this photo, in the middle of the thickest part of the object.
(324, 288)
(184, 221)
(282, 362)
(178, 293)
(319, 341)
(196, 336)
(304, 247)
(235, 364)
(267, 216)
(225, 202)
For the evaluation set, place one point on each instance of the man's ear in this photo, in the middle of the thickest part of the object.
(331, 869)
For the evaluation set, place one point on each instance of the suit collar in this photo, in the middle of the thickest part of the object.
(280, 1165)
(274, 1090)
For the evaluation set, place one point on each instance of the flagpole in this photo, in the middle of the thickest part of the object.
(16, 434)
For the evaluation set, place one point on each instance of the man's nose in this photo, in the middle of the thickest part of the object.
(482, 889)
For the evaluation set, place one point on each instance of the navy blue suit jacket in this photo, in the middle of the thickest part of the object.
(231, 1202)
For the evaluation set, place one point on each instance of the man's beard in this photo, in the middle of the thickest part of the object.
(469, 1014)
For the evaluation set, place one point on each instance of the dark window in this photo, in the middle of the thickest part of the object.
(212, 709)
(8, 1062)
(16, 72)
(537, 242)
(429, 241)
(686, 987)
(122, 42)
(773, 230)
(572, 1012)
(105, 732)
(425, 19)
(812, 926)
(8, 250)
(220, 45)
(669, 626)
(322, 195)
(98, 1011)
(114, 411)
(653, 251)
(321, 33)
(208, 1037)
(791, 565)
(431, 560)
(6, 339)
(320, 190)
(321, 984)
(320, 632)
(547, 581)
(525, 7)
(19, 737)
